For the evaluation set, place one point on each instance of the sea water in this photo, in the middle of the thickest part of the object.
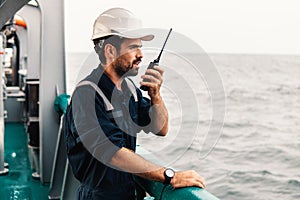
(253, 149)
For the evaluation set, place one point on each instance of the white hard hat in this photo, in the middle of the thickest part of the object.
(121, 22)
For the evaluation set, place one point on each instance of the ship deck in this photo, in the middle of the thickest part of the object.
(18, 184)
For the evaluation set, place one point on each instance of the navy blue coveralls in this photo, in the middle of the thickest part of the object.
(94, 133)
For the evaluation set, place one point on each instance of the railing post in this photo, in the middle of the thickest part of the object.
(3, 170)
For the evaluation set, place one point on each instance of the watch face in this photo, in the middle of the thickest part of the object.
(170, 173)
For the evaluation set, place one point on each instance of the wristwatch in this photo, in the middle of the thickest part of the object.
(169, 174)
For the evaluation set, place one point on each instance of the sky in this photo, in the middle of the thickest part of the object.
(218, 26)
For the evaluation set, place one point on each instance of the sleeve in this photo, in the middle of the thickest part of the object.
(99, 135)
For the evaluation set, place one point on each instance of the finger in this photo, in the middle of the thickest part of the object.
(159, 69)
(154, 73)
(150, 84)
(201, 181)
(149, 78)
(201, 185)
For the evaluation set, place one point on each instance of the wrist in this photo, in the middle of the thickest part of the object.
(156, 100)
(169, 175)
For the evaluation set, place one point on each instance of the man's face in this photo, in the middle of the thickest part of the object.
(129, 58)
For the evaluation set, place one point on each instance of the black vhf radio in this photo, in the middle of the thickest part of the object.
(155, 62)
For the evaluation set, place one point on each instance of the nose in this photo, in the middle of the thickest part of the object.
(139, 53)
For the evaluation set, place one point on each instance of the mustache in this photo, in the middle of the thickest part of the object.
(139, 59)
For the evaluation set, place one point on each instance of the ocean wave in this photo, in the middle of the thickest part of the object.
(294, 182)
(257, 154)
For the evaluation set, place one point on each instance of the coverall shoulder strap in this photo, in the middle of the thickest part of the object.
(132, 88)
(108, 105)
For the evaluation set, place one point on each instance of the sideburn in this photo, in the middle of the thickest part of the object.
(121, 66)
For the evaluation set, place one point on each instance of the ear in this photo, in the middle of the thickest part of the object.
(110, 52)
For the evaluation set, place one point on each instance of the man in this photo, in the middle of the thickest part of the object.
(107, 111)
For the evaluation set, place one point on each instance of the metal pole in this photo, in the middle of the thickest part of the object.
(3, 170)
(52, 18)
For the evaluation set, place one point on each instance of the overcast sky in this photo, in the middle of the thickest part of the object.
(218, 26)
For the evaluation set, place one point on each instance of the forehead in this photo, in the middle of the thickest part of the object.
(129, 42)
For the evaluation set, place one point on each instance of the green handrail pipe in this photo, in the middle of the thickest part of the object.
(161, 191)
(166, 192)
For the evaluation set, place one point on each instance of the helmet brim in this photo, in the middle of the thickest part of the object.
(142, 34)
(135, 36)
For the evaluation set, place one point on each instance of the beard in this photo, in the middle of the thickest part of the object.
(123, 67)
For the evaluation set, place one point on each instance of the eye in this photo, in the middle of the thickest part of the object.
(134, 47)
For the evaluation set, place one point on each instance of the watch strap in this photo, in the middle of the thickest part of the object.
(168, 178)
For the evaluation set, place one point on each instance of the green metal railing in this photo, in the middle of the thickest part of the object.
(165, 192)
(156, 189)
